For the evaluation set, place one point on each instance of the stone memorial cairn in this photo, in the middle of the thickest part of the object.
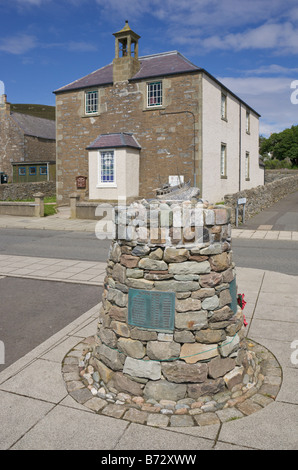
(170, 330)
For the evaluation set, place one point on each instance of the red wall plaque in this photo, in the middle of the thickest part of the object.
(81, 182)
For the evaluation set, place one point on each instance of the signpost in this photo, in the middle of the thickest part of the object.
(241, 202)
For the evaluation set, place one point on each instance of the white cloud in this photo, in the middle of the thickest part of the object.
(72, 46)
(29, 2)
(254, 86)
(126, 9)
(280, 37)
(23, 43)
(79, 46)
(18, 44)
(272, 69)
(2, 89)
(23, 5)
(269, 96)
(216, 24)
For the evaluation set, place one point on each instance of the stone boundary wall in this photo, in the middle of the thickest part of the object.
(22, 191)
(261, 197)
(273, 175)
(24, 209)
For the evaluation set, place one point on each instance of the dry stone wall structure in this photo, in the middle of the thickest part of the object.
(170, 327)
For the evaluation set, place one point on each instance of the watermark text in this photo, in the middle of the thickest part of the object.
(2, 92)
(2, 353)
(294, 94)
(149, 222)
(294, 355)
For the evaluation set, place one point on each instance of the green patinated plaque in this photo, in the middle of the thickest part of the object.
(152, 310)
(233, 292)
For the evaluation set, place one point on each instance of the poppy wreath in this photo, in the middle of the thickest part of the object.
(242, 303)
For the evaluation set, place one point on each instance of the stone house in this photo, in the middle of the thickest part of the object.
(27, 145)
(140, 122)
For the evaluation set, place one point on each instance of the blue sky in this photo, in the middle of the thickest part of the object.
(251, 46)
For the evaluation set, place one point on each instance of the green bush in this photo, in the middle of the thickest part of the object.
(276, 164)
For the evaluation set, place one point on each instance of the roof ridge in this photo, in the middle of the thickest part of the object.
(158, 54)
(31, 116)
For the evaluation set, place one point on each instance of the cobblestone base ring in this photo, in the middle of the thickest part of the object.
(84, 385)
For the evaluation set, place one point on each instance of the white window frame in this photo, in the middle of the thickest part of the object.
(89, 107)
(106, 184)
(247, 122)
(151, 91)
(223, 106)
(223, 160)
(247, 166)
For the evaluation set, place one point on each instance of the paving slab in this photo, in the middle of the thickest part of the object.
(72, 429)
(139, 437)
(18, 415)
(261, 234)
(55, 269)
(272, 428)
(39, 380)
(33, 388)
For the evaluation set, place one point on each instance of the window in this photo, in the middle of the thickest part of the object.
(107, 168)
(22, 171)
(247, 166)
(32, 170)
(223, 106)
(247, 122)
(43, 170)
(154, 94)
(91, 102)
(223, 161)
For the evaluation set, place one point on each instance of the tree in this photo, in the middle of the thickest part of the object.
(282, 145)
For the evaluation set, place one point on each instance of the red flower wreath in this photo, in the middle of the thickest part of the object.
(242, 303)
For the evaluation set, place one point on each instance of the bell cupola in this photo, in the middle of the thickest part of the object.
(126, 63)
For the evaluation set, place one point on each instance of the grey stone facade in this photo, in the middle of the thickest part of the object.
(24, 138)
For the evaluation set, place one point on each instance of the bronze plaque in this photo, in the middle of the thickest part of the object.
(233, 292)
(81, 182)
(151, 310)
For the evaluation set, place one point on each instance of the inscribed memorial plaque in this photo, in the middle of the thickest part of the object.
(233, 292)
(151, 309)
(81, 182)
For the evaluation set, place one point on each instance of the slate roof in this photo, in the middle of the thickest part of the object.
(121, 139)
(35, 126)
(156, 65)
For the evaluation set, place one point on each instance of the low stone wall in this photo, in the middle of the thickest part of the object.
(261, 197)
(273, 175)
(21, 191)
(88, 210)
(94, 210)
(24, 209)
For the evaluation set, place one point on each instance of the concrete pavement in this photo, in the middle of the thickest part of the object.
(37, 412)
(54, 269)
(59, 221)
